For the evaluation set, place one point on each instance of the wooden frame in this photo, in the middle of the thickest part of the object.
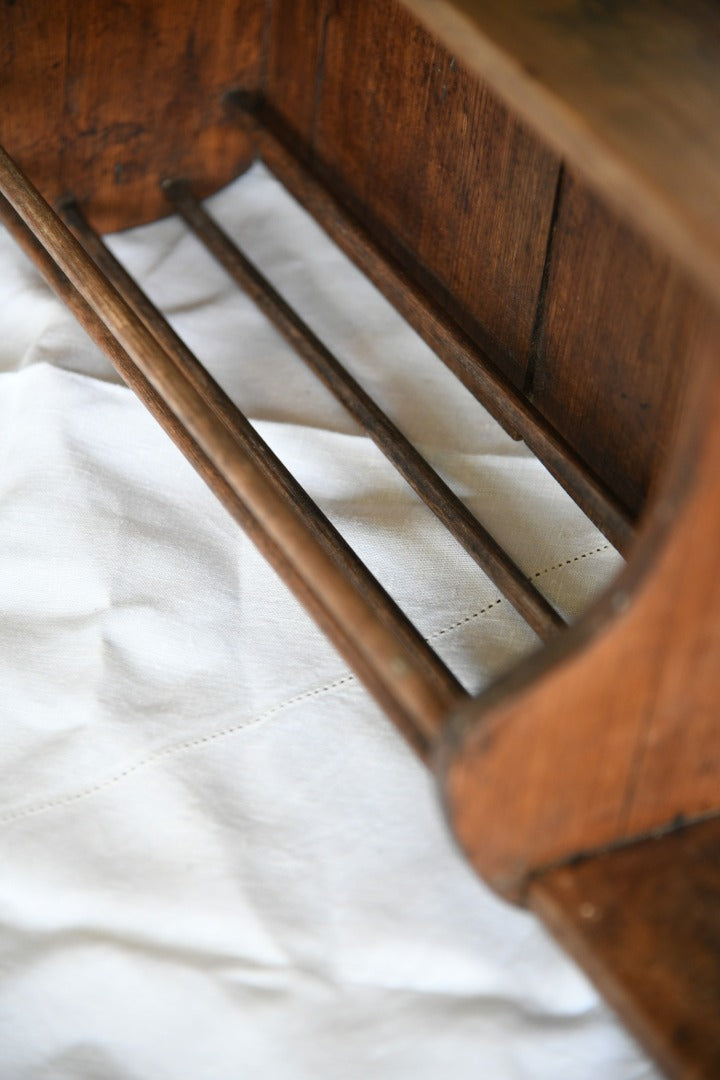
(535, 187)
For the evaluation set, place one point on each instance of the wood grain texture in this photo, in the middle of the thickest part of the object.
(611, 732)
(434, 166)
(427, 484)
(398, 677)
(616, 326)
(284, 483)
(644, 922)
(627, 93)
(295, 39)
(104, 99)
(471, 365)
(439, 173)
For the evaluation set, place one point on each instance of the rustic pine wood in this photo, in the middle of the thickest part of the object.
(268, 463)
(459, 352)
(429, 159)
(295, 34)
(613, 733)
(409, 462)
(645, 922)
(399, 680)
(613, 335)
(102, 99)
(378, 104)
(535, 186)
(627, 93)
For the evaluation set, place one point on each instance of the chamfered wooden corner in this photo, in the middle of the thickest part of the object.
(611, 733)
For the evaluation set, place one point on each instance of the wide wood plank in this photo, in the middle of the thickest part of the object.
(427, 158)
(295, 36)
(107, 99)
(617, 323)
(628, 93)
(611, 732)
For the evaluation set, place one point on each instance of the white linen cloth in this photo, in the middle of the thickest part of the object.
(218, 858)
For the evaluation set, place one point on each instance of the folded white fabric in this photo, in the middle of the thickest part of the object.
(218, 858)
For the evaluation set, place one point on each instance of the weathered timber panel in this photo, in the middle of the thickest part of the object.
(432, 162)
(617, 322)
(109, 98)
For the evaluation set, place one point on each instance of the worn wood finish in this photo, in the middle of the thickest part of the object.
(263, 457)
(473, 367)
(209, 472)
(615, 328)
(627, 93)
(295, 35)
(644, 922)
(105, 98)
(432, 164)
(472, 225)
(437, 169)
(408, 461)
(416, 157)
(612, 732)
(391, 672)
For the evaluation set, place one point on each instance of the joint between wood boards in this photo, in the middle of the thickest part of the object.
(677, 824)
(534, 365)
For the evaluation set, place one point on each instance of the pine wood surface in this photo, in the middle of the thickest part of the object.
(490, 226)
(645, 923)
(543, 178)
(103, 100)
(433, 163)
(612, 732)
(627, 93)
(461, 354)
(418, 694)
(614, 330)
(404, 456)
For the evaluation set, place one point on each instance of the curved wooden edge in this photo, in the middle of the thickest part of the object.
(103, 100)
(611, 733)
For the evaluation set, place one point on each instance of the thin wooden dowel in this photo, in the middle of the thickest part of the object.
(253, 444)
(389, 671)
(200, 462)
(430, 487)
(468, 362)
